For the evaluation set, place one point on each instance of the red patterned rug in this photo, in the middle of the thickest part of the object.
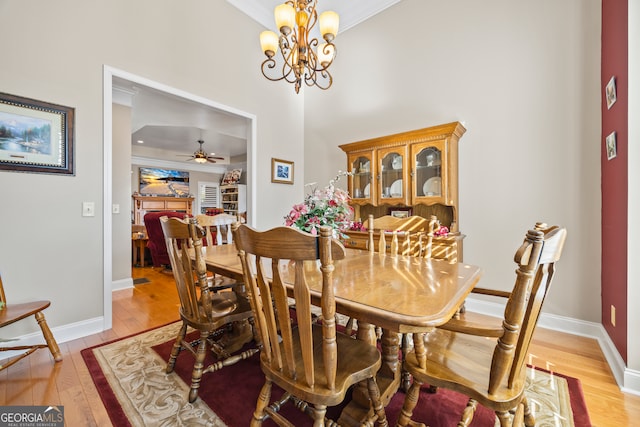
(131, 380)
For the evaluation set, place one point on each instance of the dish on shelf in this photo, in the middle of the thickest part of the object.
(432, 186)
(366, 191)
(396, 163)
(396, 188)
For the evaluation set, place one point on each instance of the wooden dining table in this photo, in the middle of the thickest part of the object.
(401, 294)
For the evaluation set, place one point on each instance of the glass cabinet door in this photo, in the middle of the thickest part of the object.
(427, 176)
(391, 186)
(360, 182)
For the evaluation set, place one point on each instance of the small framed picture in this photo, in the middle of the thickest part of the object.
(611, 92)
(400, 212)
(281, 171)
(611, 145)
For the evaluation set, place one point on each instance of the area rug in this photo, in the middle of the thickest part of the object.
(131, 380)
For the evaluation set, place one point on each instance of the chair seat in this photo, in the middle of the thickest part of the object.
(463, 363)
(226, 307)
(14, 312)
(363, 359)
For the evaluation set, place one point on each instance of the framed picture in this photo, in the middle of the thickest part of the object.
(400, 212)
(611, 92)
(281, 171)
(35, 136)
(611, 145)
(164, 182)
(232, 177)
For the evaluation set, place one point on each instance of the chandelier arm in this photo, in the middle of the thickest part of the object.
(323, 83)
(270, 64)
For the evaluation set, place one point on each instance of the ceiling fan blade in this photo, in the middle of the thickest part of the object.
(215, 157)
(210, 160)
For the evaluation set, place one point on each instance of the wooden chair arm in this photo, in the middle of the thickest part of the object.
(475, 324)
(491, 292)
(478, 324)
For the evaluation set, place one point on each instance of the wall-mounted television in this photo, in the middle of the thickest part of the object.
(164, 182)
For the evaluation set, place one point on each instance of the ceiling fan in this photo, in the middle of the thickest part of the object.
(201, 156)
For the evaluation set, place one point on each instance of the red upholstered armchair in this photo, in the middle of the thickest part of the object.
(157, 245)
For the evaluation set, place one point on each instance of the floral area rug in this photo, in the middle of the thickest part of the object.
(130, 377)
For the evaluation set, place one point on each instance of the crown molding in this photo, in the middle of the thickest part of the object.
(351, 13)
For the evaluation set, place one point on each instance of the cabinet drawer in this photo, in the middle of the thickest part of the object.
(152, 204)
(177, 205)
(356, 240)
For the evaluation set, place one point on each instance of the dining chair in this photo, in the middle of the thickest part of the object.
(490, 370)
(217, 232)
(11, 313)
(220, 224)
(402, 234)
(311, 361)
(221, 318)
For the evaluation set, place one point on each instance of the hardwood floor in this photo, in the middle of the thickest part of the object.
(37, 380)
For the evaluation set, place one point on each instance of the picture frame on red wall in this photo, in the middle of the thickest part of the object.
(611, 146)
(610, 92)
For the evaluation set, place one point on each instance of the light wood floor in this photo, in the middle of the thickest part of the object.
(36, 380)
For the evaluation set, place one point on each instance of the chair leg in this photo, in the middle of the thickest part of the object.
(263, 401)
(529, 419)
(505, 417)
(176, 348)
(410, 402)
(467, 414)
(196, 374)
(48, 336)
(376, 402)
(319, 411)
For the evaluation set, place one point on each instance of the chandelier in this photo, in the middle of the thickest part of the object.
(303, 57)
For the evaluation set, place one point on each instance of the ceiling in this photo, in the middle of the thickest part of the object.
(351, 12)
(170, 126)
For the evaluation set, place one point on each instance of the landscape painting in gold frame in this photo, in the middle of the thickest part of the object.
(35, 136)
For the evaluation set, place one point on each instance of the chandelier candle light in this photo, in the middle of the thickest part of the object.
(303, 57)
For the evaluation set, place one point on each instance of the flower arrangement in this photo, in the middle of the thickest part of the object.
(326, 206)
(443, 231)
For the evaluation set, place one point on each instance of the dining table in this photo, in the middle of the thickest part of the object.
(400, 294)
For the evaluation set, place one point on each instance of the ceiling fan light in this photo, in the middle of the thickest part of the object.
(200, 160)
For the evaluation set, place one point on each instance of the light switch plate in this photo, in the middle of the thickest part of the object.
(115, 209)
(88, 209)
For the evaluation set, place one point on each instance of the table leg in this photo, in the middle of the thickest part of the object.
(388, 377)
(135, 251)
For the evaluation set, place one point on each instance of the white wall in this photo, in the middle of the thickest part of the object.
(523, 77)
(47, 250)
(121, 235)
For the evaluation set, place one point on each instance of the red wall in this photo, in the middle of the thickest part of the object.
(614, 172)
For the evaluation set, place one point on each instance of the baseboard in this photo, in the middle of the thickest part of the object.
(62, 334)
(117, 285)
(628, 380)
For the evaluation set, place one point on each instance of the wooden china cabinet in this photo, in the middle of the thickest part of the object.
(414, 172)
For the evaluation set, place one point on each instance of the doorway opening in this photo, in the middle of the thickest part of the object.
(109, 74)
